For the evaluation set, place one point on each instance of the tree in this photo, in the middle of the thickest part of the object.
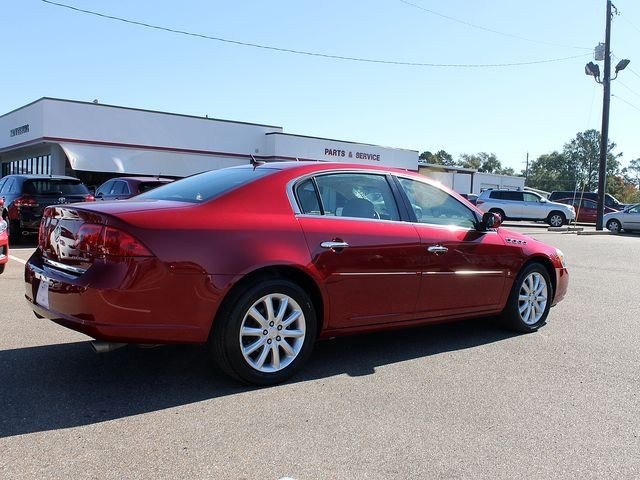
(470, 161)
(441, 157)
(550, 172)
(484, 162)
(633, 172)
(583, 158)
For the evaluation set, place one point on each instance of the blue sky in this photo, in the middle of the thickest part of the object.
(50, 51)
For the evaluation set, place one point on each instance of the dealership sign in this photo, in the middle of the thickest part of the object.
(334, 152)
(19, 130)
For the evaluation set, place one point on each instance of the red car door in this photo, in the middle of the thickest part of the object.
(462, 269)
(364, 254)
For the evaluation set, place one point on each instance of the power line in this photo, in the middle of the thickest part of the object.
(628, 21)
(628, 88)
(491, 30)
(624, 101)
(303, 52)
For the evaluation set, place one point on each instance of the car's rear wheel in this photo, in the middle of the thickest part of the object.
(530, 299)
(264, 333)
(614, 226)
(556, 219)
(499, 212)
(2, 267)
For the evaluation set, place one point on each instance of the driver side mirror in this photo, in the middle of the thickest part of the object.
(490, 221)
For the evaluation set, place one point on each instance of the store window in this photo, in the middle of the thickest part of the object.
(40, 165)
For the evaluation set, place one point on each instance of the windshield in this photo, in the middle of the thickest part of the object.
(53, 186)
(205, 186)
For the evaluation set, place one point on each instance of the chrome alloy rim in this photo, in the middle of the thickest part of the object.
(272, 333)
(532, 299)
(556, 221)
(614, 226)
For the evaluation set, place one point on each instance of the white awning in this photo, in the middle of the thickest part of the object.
(99, 158)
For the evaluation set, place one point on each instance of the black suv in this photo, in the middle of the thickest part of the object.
(609, 200)
(26, 196)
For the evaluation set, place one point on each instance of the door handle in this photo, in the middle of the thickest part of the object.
(334, 245)
(437, 249)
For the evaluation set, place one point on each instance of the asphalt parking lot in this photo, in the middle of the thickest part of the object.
(465, 400)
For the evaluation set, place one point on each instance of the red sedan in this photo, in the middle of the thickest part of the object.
(260, 261)
(4, 245)
(586, 210)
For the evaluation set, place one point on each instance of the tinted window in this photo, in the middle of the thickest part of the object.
(205, 186)
(53, 186)
(147, 186)
(120, 188)
(589, 204)
(104, 189)
(435, 206)
(496, 195)
(11, 186)
(357, 195)
(307, 198)
(2, 182)
(513, 196)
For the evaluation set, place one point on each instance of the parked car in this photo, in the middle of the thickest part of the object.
(260, 261)
(26, 196)
(609, 200)
(586, 210)
(472, 197)
(628, 219)
(126, 187)
(519, 205)
(4, 245)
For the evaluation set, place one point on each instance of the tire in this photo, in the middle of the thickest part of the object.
(243, 350)
(15, 232)
(2, 267)
(614, 226)
(523, 312)
(499, 212)
(556, 219)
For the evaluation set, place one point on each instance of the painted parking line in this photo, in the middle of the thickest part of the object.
(12, 257)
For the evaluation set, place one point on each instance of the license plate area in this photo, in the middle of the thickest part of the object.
(42, 294)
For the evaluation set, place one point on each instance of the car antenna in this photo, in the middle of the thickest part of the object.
(255, 162)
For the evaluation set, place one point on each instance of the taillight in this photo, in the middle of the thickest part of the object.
(89, 198)
(25, 201)
(479, 202)
(98, 240)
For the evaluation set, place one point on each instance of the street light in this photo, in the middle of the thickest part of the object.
(594, 70)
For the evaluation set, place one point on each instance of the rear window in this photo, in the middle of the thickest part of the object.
(147, 186)
(205, 186)
(53, 186)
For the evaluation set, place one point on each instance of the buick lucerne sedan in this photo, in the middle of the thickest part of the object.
(260, 261)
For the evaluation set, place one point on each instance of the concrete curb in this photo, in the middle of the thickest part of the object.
(595, 232)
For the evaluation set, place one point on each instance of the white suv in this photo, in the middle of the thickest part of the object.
(519, 205)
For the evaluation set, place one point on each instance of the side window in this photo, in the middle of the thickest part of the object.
(104, 189)
(635, 209)
(497, 195)
(435, 206)
(357, 195)
(307, 198)
(589, 204)
(119, 188)
(530, 197)
(513, 196)
(10, 186)
(2, 183)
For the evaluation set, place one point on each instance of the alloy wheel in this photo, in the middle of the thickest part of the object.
(272, 333)
(556, 220)
(614, 226)
(532, 298)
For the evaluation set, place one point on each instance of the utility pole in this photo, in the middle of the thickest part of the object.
(604, 135)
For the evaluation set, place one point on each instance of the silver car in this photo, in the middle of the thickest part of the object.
(627, 219)
(519, 205)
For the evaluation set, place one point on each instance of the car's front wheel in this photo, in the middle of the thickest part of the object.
(530, 299)
(614, 226)
(264, 333)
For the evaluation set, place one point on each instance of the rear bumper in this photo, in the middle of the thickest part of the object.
(562, 284)
(134, 301)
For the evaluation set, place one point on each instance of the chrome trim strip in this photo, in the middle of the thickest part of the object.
(62, 266)
(468, 272)
(356, 274)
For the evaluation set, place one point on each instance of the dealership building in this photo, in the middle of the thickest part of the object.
(95, 142)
